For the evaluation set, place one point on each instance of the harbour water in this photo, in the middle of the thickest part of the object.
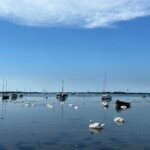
(30, 124)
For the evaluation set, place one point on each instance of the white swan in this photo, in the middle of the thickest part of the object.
(76, 107)
(118, 119)
(29, 105)
(105, 104)
(26, 104)
(95, 125)
(123, 107)
(49, 105)
(70, 105)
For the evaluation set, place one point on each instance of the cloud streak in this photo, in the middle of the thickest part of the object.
(80, 13)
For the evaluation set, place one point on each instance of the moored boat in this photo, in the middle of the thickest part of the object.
(5, 97)
(14, 96)
(123, 103)
(21, 95)
(106, 97)
(62, 96)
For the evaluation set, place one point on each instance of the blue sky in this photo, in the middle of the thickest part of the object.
(37, 57)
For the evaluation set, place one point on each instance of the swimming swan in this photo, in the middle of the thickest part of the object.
(70, 105)
(123, 107)
(95, 125)
(76, 107)
(49, 105)
(118, 119)
(105, 104)
(29, 105)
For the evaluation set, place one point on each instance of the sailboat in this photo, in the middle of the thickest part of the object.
(14, 96)
(5, 96)
(105, 96)
(62, 96)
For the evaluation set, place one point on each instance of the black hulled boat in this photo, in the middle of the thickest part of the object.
(120, 104)
(62, 96)
(14, 96)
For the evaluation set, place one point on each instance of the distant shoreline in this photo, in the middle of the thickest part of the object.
(76, 93)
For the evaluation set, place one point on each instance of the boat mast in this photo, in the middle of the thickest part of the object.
(62, 86)
(105, 82)
(6, 86)
(3, 87)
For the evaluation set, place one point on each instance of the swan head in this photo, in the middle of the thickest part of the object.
(91, 121)
(102, 125)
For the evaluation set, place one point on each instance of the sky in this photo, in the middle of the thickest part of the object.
(45, 42)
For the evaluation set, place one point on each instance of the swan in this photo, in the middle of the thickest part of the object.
(123, 107)
(118, 119)
(26, 104)
(76, 107)
(95, 125)
(71, 105)
(32, 105)
(29, 105)
(49, 105)
(105, 104)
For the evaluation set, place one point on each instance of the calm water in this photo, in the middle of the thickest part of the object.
(62, 127)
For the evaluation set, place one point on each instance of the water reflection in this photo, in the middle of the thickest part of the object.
(119, 123)
(62, 109)
(3, 110)
(95, 131)
(41, 127)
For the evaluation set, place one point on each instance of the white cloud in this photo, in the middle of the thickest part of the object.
(82, 13)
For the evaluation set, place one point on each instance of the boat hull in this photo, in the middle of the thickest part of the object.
(119, 105)
(5, 97)
(61, 96)
(122, 103)
(106, 98)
